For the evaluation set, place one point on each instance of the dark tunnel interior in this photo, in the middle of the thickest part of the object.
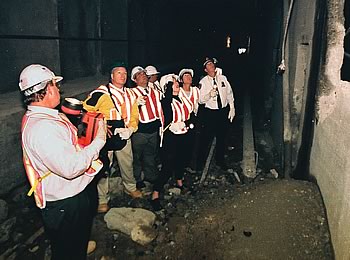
(202, 28)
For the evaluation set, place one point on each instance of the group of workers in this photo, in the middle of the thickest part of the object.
(154, 118)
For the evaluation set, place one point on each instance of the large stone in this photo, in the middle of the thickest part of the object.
(143, 234)
(126, 219)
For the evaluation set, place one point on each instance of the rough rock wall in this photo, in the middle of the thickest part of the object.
(29, 33)
(69, 38)
(330, 153)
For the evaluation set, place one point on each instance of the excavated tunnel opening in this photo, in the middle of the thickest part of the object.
(245, 37)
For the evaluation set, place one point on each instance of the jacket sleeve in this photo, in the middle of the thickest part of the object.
(51, 143)
(99, 102)
(166, 104)
(204, 92)
(230, 96)
(91, 103)
(134, 117)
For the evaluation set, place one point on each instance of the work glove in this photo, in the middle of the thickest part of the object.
(141, 101)
(231, 114)
(124, 133)
(176, 127)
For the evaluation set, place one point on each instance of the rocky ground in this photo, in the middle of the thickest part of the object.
(222, 218)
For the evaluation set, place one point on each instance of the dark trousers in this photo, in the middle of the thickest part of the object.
(190, 143)
(144, 148)
(173, 159)
(68, 224)
(215, 123)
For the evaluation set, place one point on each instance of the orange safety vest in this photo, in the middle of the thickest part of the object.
(35, 179)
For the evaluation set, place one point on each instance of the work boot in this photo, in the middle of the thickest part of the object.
(91, 247)
(103, 208)
(134, 194)
(155, 203)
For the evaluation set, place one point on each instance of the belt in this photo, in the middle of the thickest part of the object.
(216, 109)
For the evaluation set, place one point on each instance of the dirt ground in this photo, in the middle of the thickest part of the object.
(266, 218)
(270, 219)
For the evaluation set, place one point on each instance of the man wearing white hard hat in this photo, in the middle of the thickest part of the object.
(145, 140)
(152, 75)
(58, 169)
(118, 104)
(217, 96)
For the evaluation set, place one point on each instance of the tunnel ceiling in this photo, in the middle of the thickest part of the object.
(201, 28)
(219, 15)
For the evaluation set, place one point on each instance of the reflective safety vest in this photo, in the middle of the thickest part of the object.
(35, 179)
(152, 110)
(193, 97)
(124, 101)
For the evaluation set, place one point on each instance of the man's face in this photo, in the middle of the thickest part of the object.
(153, 78)
(141, 79)
(119, 76)
(187, 78)
(176, 87)
(210, 67)
(53, 93)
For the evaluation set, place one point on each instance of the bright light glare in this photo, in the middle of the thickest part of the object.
(242, 50)
(228, 42)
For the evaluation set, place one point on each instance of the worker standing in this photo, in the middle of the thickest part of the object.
(217, 96)
(118, 104)
(58, 169)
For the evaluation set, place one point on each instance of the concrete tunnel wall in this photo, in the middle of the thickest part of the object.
(76, 39)
(310, 48)
(330, 150)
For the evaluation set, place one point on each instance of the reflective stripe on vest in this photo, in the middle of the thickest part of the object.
(35, 179)
(193, 97)
(123, 99)
(152, 110)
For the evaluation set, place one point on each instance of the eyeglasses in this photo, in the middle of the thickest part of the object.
(56, 84)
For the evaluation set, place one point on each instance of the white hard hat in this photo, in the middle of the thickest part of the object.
(35, 77)
(136, 70)
(209, 59)
(151, 70)
(183, 71)
(166, 79)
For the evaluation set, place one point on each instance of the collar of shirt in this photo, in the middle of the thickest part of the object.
(211, 80)
(44, 110)
(121, 90)
(144, 90)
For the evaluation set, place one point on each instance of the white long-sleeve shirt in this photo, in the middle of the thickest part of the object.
(49, 146)
(224, 88)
